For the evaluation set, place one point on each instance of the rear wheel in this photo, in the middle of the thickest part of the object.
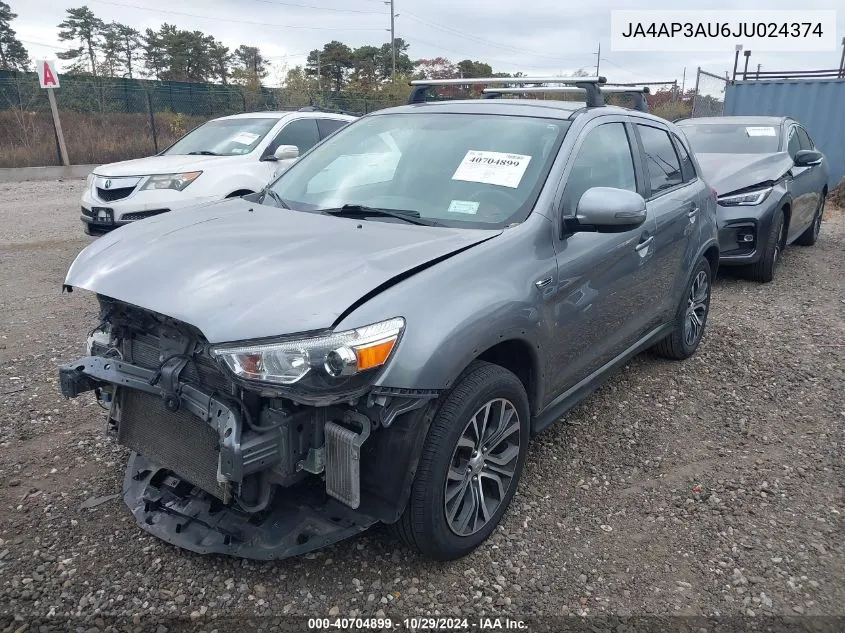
(691, 316)
(764, 269)
(471, 462)
(809, 237)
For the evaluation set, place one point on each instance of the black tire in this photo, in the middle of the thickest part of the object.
(764, 269)
(424, 526)
(679, 345)
(809, 237)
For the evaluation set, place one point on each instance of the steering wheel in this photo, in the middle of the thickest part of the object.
(494, 203)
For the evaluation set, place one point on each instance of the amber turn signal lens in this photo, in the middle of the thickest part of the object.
(375, 354)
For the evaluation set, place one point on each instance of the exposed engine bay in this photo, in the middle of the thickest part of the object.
(223, 465)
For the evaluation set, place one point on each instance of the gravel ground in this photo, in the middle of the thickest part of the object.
(708, 487)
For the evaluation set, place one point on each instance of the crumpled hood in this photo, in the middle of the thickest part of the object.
(170, 164)
(729, 172)
(239, 270)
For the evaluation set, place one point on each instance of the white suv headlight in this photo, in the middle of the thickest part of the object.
(334, 355)
(171, 181)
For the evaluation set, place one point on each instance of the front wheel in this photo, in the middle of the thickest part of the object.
(809, 237)
(764, 269)
(470, 465)
(691, 316)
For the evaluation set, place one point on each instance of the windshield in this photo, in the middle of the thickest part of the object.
(732, 138)
(226, 137)
(452, 169)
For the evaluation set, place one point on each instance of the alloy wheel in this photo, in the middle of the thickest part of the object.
(482, 467)
(699, 297)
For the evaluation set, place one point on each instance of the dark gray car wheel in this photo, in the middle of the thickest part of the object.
(470, 465)
(771, 247)
(691, 316)
(809, 237)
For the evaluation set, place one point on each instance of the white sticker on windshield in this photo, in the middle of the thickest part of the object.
(492, 168)
(760, 131)
(244, 138)
(463, 206)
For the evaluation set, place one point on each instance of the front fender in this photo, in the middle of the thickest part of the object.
(460, 307)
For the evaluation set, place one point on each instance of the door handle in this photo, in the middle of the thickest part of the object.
(644, 245)
(692, 212)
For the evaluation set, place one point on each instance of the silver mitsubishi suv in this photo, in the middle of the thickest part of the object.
(378, 334)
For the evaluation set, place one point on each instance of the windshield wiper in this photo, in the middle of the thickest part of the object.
(359, 210)
(203, 152)
(276, 198)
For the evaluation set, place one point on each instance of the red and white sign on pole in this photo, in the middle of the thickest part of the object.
(47, 75)
(49, 79)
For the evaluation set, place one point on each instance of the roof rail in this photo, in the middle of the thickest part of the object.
(589, 84)
(316, 108)
(639, 101)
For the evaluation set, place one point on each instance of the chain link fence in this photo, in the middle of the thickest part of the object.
(709, 96)
(106, 120)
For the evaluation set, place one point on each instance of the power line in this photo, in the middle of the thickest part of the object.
(309, 6)
(463, 35)
(264, 24)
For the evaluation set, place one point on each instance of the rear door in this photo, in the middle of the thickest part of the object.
(673, 201)
(602, 300)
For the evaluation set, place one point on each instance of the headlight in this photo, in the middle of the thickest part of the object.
(333, 356)
(747, 199)
(171, 181)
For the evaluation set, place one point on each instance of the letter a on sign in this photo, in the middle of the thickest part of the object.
(47, 76)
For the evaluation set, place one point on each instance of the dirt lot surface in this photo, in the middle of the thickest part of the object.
(713, 486)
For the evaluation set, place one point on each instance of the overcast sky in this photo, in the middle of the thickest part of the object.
(535, 36)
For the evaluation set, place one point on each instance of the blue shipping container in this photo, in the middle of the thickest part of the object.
(818, 104)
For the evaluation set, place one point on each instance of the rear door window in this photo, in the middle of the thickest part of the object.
(662, 163)
(687, 167)
(327, 127)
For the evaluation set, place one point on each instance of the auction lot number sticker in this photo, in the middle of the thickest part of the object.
(492, 168)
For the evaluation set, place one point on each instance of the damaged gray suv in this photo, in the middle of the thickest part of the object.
(377, 335)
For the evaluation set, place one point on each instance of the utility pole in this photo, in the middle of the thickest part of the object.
(319, 73)
(683, 81)
(598, 60)
(758, 71)
(392, 37)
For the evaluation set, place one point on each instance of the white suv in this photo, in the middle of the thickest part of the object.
(225, 157)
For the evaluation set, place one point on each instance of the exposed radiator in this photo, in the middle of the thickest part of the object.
(178, 441)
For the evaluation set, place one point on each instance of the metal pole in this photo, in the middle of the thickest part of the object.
(683, 80)
(152, 121)
(736, 59)
(598, 60)
(319, 73)
(57, 124)
(842, 61)
(695, 94)
(745, 70)
(758, 71)
(393, 39)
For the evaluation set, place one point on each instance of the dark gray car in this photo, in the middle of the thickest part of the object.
(377, 335)
(771, 181)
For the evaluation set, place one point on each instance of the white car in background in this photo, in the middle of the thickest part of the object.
(226, 157)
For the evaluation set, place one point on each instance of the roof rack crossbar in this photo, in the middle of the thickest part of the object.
(420, 87)
(638, 92)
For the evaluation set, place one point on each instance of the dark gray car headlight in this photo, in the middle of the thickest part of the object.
(329, 357)
(746, 199)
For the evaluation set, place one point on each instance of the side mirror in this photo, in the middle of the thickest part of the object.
(808, 157)
(609, 210)
(286, 152)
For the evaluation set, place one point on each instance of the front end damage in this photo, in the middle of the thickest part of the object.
(225, 465)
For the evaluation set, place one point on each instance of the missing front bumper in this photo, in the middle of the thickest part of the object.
(184, 516)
